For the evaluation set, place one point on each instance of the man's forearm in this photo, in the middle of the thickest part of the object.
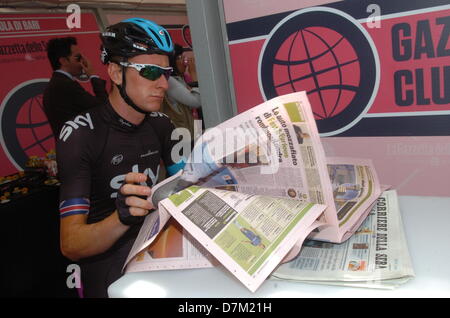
(81, 240)
(99, 88)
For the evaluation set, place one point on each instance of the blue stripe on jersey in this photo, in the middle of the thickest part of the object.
(73, 206)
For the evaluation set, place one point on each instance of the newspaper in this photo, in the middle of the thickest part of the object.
(376, 256)
(174, 248)
(248, 234)
(269, 152)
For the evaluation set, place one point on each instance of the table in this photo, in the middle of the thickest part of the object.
(32, 263)
(426, 222)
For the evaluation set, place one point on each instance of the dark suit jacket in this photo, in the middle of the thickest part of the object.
(64, 98)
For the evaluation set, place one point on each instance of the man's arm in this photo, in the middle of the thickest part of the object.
(80, 240)
(181, 94)
(98, 85)
(99, 88)
(82, 99)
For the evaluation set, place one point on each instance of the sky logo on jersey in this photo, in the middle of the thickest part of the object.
(70, 125)
(73, 206)
(117, 181)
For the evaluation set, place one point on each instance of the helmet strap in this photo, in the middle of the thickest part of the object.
(126, 98)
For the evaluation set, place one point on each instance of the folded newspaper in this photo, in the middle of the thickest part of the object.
(252, 190)
(376, 256)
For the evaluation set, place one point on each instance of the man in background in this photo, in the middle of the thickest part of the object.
(64, 97)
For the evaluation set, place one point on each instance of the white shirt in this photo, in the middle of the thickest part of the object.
(65, 73)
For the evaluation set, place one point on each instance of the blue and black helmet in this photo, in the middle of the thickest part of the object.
(133, 37)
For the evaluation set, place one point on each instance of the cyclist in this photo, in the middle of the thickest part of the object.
(109, 157)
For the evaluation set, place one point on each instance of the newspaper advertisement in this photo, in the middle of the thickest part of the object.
(248, 234)
(376, 256)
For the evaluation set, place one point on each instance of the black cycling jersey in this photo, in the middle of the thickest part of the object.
(96, 150)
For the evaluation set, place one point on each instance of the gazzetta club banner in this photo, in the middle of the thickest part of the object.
(24, 129)
(370, 68)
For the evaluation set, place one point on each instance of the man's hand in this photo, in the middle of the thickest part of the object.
(87, 66)
(132, 205)
(192, 69)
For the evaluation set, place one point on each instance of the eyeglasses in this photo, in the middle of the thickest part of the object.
(150, 71)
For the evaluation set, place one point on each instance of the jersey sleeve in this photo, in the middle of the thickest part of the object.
(73, 153)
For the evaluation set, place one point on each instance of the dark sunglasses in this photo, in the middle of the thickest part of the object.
(150, 71)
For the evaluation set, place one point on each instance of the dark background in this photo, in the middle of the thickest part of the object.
(32, 264)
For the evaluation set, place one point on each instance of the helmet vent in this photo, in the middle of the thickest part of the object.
(155, 35)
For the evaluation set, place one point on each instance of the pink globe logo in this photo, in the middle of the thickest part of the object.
(32, 128)
(329, 72)
(25, 130)
(330, 56)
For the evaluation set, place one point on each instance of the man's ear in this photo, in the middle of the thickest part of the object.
(115, 73)
(63, 61)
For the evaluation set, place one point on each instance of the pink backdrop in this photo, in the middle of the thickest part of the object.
(237, 10)
(25, 71)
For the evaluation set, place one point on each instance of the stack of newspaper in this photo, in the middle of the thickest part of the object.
(255, 187)
(376, 256)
